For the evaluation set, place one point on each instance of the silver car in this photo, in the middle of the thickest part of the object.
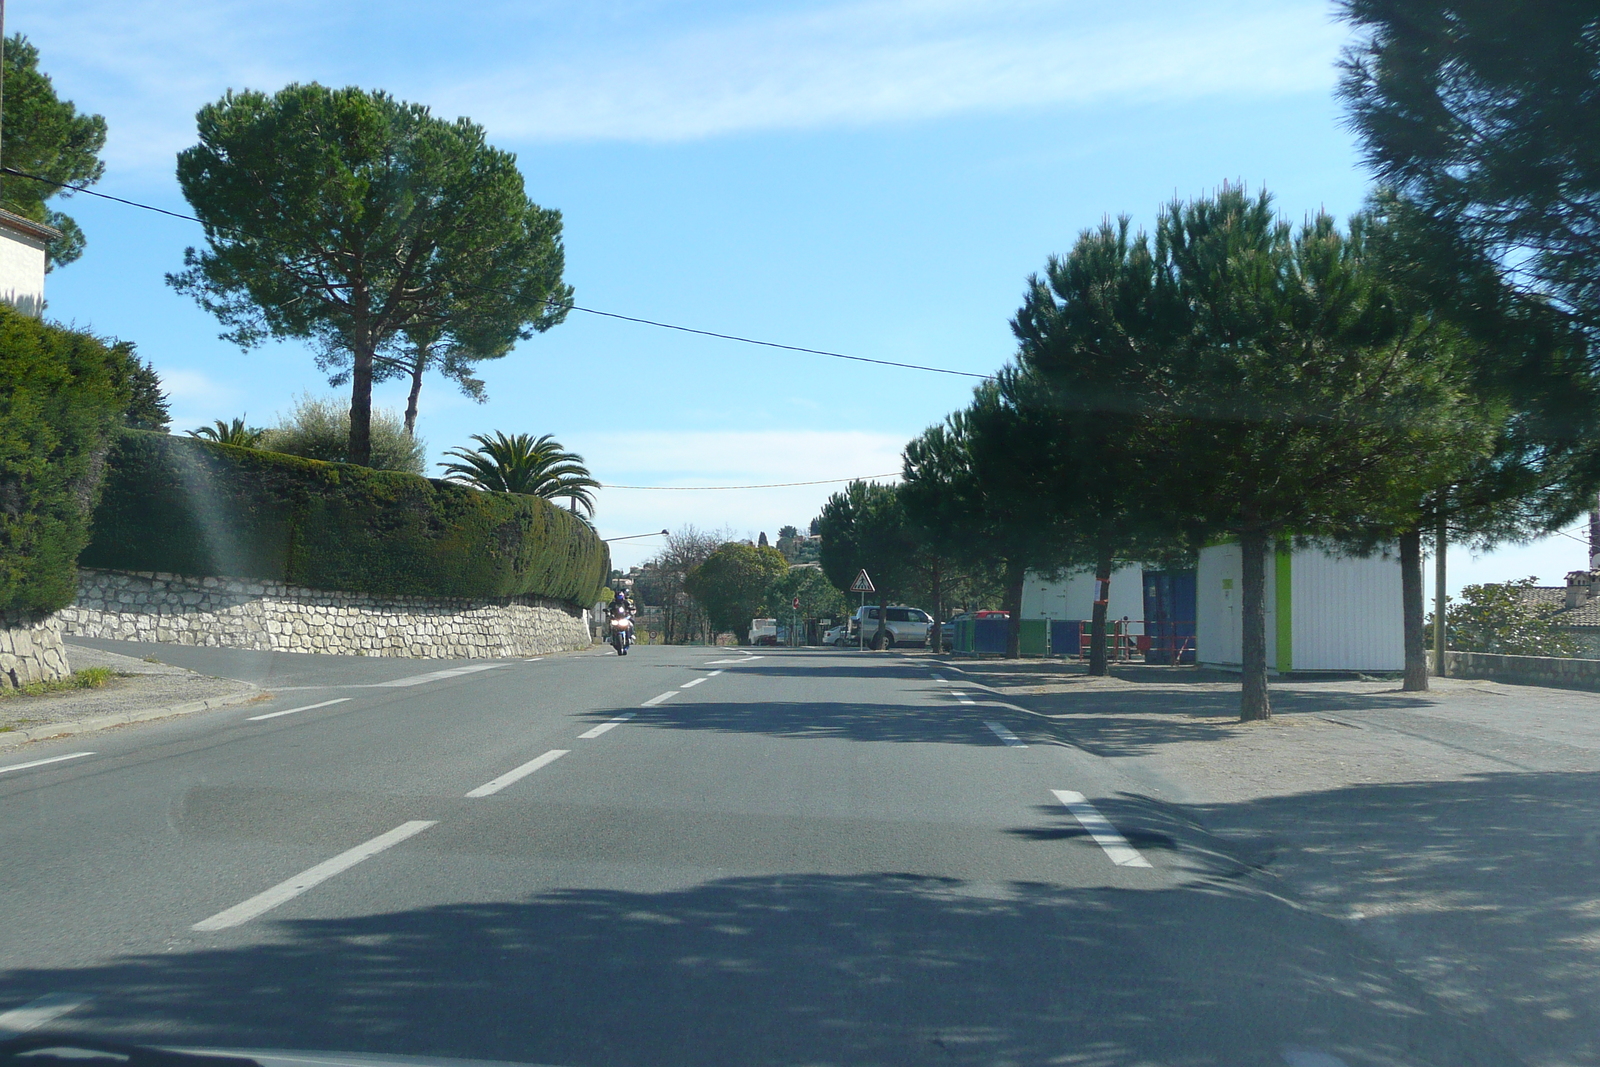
(905, 625)
(839, 636)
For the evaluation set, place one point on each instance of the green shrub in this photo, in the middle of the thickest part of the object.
(61, 394)
(320, 429)
(190, 507)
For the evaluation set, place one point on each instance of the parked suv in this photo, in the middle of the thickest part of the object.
(906, 626)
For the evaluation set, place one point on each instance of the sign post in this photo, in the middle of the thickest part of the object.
(862, 585)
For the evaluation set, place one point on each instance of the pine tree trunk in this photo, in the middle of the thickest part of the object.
(1098, 666)
(936, 631)
(1254, 702)
(1015, 573)
(360, 451)
(411, 400)
(1416, 680)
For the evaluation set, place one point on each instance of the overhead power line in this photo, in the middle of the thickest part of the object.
(771, 485)
(552, 303)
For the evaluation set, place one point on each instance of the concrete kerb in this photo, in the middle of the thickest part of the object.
(46, 731)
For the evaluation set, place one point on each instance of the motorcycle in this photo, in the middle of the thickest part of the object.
(621, 633)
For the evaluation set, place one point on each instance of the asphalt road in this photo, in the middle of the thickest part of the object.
(685, 857)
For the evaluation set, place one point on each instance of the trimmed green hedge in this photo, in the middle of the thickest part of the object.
(191, 507)
(61, 394)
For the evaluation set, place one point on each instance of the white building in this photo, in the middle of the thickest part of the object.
(22, 262)
(1325, 612)
(1072, 597)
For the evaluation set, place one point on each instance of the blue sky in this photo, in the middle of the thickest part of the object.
(876, 177)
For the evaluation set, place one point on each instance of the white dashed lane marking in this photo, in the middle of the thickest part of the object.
(603, 727)
(36, 1013)
(291, 711)
(1105, 835)
(494, 786)
(660, 698)
(286, 891)
(43, 762)
(1011, 739)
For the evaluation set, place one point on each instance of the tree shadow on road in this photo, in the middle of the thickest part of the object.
(822, 720)
(872, 969)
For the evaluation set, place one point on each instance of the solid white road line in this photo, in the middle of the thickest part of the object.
(284, 892)
(1116, 846)
(603, 727)
(434, 676)
(42, 762)
(36, 1013)
(1011, 739)
(664, 697)
(691, 684)
(291, 711)
(489, 788)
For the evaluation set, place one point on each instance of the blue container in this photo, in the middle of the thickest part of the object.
(1066, 637)
(1169, 616)
(989, 636)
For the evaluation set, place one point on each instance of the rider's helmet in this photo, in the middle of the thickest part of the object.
(621, 597)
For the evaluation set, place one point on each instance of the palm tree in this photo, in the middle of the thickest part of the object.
(521, 464)
(229, 433)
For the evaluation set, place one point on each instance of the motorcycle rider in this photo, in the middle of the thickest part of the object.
(621, 608)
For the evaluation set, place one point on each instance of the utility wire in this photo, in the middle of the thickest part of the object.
(772, 485)
(551, 303)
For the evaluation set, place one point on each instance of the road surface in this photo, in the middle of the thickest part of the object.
(688, 856)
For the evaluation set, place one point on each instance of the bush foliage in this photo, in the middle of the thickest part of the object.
(320, 429)
(191, 507)
(1500, 619)
(61, 394)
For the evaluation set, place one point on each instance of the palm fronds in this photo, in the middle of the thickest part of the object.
(229, 433)
(523, 464)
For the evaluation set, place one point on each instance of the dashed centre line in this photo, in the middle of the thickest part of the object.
(1011, 739)
(1105, 835)
(603, 727)
(747, 659)
(42, 762)
(691, 684)
(286, 891)
(36, 1013)
(660, 699)
(517, 774)
(291, 711)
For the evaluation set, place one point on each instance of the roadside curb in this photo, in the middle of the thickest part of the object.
(16, 738)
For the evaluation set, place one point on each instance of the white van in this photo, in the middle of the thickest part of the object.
(905, 625)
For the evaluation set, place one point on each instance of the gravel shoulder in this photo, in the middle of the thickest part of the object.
(141, 691)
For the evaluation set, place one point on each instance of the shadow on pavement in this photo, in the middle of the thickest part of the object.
(1487, 888)
(818, 721)
(880, 969)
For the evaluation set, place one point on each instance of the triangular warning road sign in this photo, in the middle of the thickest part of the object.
(862, 584)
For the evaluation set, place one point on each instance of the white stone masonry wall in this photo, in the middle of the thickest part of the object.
(30, 651)
(271, 616)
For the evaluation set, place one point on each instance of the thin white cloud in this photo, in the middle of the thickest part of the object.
(881, 61)
(672, 72)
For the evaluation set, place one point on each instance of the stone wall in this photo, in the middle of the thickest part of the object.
(1525, 670)
(30, 651)
(271, 616)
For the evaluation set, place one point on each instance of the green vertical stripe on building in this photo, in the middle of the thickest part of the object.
(1283, 601)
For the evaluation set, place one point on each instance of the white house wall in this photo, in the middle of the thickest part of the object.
(1073, 596)
(1344, 612)
(22, 262)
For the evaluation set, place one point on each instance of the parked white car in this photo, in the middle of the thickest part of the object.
(905, 625)
(838, 637)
